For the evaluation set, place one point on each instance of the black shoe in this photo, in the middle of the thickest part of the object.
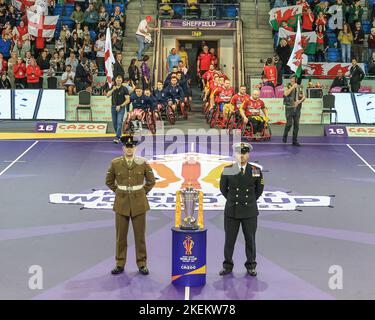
(296, 143)
(284, 139)
(252, 272)
(225, 271)
(117, 270)
(116, 141)
(144, 271)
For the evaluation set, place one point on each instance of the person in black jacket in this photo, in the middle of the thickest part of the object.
(340, 81)
(358, 41)
(82, 79)
(241, 184)
(4, 81)
(283, 50)
(118, 69)
(356, 76)
(133, 71)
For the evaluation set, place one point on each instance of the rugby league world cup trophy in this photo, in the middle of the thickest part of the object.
(189, 240)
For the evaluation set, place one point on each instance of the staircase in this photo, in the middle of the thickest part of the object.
(134, 14)
(258, 43)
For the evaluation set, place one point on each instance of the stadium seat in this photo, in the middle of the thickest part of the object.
(231, 12)
(178, 9)
(336, 89)
(333, 55)
(365, 89)
(366, 25)
(267, 92)
(279, 91)
(108, 7)
(121, 5)
(93, 35)
(371, 3)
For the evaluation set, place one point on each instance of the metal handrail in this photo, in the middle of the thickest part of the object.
(156, 58)
(257, 13)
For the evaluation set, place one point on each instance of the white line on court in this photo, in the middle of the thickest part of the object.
(187, 293)
(360, 157)
(19, 157)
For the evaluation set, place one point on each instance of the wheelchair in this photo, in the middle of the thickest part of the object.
(143, 119)
(165, 112)
(180, 112)
(257, 129)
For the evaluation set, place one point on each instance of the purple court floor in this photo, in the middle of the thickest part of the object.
(295, 249)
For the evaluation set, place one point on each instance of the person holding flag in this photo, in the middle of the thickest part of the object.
(293, 93)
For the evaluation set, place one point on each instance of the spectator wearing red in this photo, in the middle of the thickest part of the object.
(270, 71)
(19, 70)
(3, 64)
(204, 62)
(304, 4)
(307, 20)
(321, 20)
(33, 73)
(321, 44)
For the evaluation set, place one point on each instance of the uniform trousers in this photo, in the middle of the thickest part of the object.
(292, 115)
(231, 227)
(139, 228)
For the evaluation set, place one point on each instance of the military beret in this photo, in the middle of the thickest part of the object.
(243, 147)
(128, 140)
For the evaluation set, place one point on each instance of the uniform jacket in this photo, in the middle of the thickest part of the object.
(139, 173)
(356, 74)
(174, 93)
(160, 96)
(241, 191)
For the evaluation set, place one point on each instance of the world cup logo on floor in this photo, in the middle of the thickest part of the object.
(188, 245)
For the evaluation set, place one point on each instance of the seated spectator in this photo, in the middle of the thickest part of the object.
(371, 43)
(321, 44)
(5, 82)
(77, 15)
(345, 38)
(99, 49)
(116, 43)
(87, 48)
(358, 41)
(371, 65)
(119, 16)
(60, 43)
(27, 58)
(192, 8)
(3, 64)
(67, 80)
(43, 62)
(102, 27)
(72, 60)
(21, 47)
(97, 4)
(62, 58)
(86, 31)
(165, 9)
(83, 79)
(33, 73)
(116, 28)
(103, 14)
(355, 13)
(75, 43)
(91, 17)
(19, 70)
(340, 81)
(270, 72)
(78, 30)
(65, 32)
(56, 65)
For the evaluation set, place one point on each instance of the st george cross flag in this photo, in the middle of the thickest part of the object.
(41, 26)
(21, 4)
(108, 58)
(308, 39)
(289, 14)
(295, 60)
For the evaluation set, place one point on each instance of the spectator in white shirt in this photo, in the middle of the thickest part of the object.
(100, 51)
(67, 80)
(143, 36)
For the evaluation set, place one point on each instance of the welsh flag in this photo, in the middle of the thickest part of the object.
(40, 25)
(295, 60)
(108, 58)
(308, 39)
(289, 14)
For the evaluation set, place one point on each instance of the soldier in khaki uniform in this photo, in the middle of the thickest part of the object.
(131, 178)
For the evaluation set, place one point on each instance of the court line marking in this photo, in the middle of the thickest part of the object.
(18, 158)
(187, 293)
(219, 142)
(360, 157)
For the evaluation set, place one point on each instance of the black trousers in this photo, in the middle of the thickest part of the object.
(231, 227)
(354, 87)
(292, 116)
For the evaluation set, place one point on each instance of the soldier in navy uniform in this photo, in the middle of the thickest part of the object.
(241, 184)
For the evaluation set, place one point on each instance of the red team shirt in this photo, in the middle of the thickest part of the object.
(238, 99)
(223, 95)
(252, 107)
(205, 61)
(209, 75)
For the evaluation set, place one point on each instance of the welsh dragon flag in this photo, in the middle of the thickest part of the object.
(308, 39)
(295, 60)
(289, 14)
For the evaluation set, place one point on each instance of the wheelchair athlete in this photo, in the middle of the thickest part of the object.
(221, 97)
(175, 97)
(250, 112)
(233, 109)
